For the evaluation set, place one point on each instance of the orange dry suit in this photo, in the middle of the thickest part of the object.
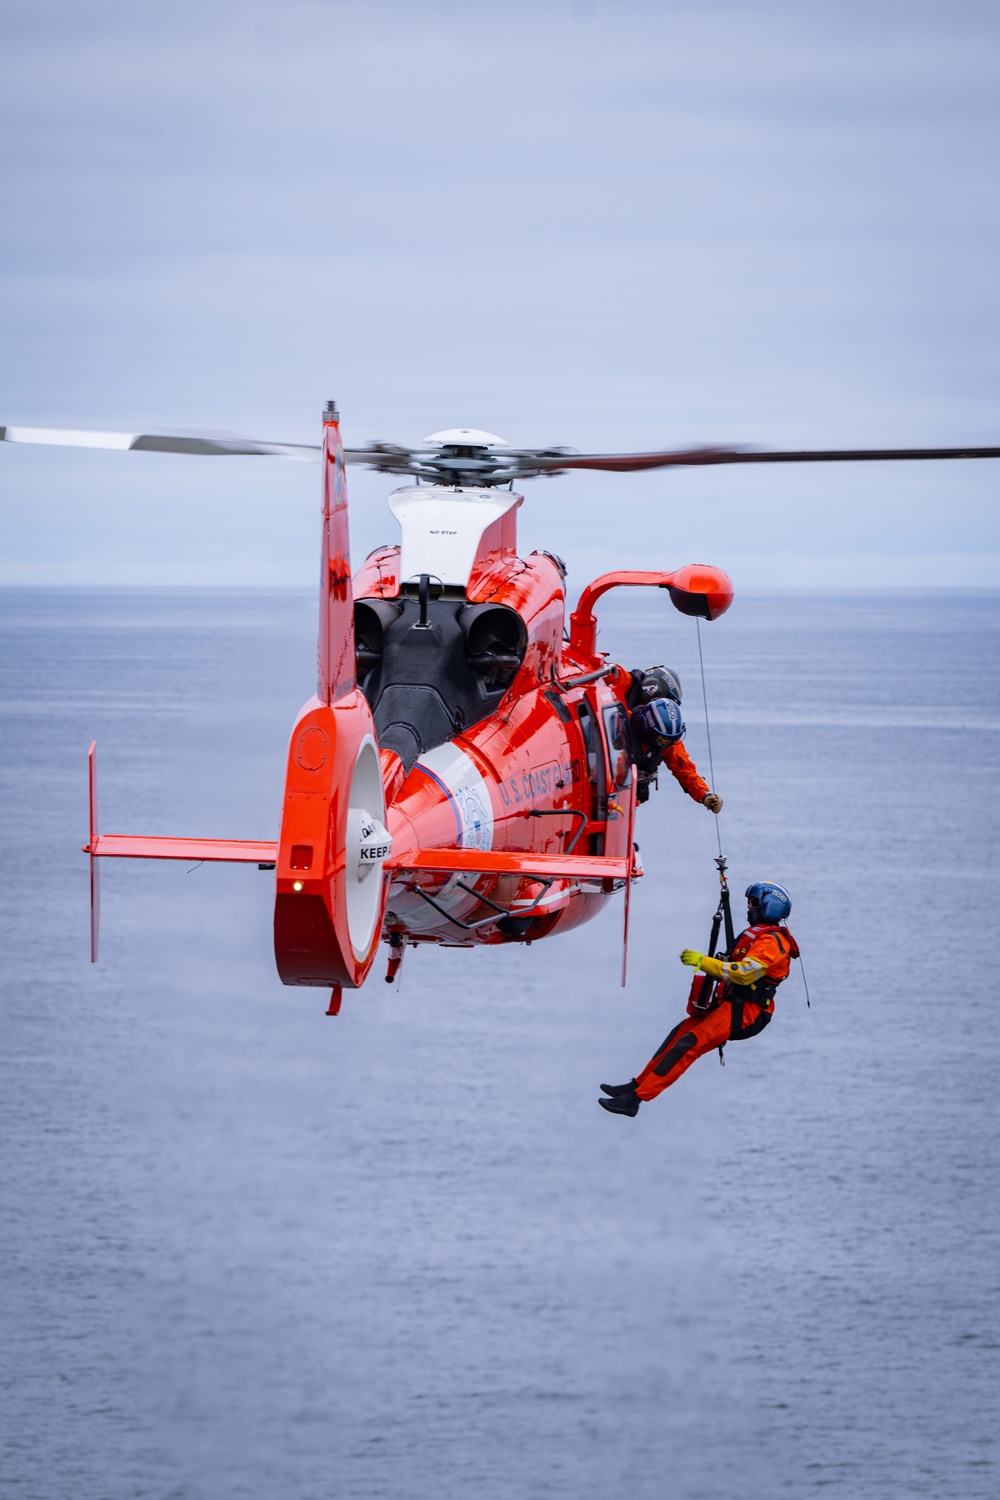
(649, 758)
(683, 769)
(678, 763)
(751, 974)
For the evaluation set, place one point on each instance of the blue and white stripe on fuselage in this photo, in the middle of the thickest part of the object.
(467, 793)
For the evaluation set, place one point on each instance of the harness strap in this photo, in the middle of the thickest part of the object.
(738, 1031)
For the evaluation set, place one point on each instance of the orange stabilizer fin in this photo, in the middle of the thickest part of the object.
(142, 846)
(336, 599)
(95, 877)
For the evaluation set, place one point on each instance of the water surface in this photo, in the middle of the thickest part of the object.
(251, 1251)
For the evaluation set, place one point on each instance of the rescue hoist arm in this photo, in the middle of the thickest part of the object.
(695, 590)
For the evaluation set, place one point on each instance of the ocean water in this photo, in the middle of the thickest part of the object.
(251, 1251)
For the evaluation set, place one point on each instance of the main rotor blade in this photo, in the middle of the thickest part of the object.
(693, 457)
(422, 463)
(206, 445)
(391, 458)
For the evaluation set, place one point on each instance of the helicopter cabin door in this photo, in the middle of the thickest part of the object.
(621, 757)
(595, 762)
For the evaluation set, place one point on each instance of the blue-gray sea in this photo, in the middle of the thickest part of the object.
(252, 1251)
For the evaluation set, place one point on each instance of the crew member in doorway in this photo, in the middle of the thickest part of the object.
(654, 700)
(749, 978)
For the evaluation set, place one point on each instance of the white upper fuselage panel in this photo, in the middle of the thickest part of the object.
(443, 528)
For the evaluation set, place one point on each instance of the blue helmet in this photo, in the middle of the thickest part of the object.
(767, 903)
(658, 722)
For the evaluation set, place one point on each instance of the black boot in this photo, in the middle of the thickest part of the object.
(615, 1090)
(622, 1104)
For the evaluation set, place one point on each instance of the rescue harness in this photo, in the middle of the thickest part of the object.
(708, 992)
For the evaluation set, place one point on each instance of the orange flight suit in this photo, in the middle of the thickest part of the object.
(758, 963)
(683, 769)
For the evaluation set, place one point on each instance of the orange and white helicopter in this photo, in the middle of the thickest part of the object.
(465, 773)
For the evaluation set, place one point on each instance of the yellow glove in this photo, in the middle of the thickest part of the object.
(691, 958)
(713, 802)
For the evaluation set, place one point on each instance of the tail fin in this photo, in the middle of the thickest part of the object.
(331, 892)
(336, 674)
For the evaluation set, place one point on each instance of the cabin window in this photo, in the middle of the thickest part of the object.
(589, 738)
(596, 771)
(620, 750)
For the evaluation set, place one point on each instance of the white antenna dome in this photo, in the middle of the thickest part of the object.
(467, 437)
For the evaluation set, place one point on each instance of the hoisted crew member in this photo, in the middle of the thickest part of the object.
(758, 963)
(654, 700)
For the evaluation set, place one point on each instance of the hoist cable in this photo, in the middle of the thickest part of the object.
(708, 729)
(711, 772)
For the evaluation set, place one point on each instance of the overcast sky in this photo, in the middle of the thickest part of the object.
(605, 225)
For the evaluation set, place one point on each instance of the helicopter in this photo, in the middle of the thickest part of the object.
(465, 773)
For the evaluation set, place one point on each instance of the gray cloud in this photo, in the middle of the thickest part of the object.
(604, 226)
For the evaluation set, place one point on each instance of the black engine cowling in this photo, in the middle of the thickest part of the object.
(431, 667)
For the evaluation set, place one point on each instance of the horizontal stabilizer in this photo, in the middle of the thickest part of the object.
(502, 862)
(139, 846)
